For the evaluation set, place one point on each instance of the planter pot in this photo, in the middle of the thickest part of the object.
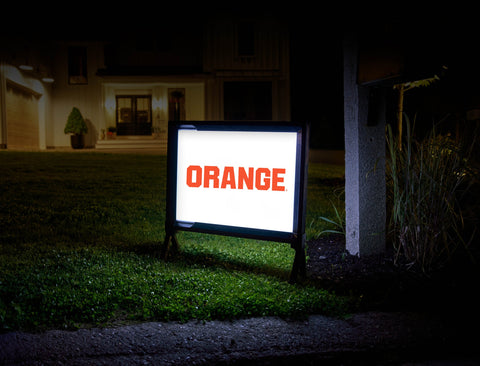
(77, 141)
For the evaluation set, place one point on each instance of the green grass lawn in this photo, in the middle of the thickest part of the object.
(80, 235)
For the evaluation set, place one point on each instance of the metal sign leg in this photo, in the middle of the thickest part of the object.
(299, 262)
(169, 237)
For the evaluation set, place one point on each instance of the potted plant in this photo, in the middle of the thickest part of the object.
(112, 133)
(77, 127)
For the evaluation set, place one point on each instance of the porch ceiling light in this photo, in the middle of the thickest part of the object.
(26, 67)
(48, 79)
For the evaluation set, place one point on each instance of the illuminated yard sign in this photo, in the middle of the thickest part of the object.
(238, 179)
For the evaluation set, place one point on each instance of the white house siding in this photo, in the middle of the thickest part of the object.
(86, 97)
(96, 99)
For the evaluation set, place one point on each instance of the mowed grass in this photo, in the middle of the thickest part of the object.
(80, 237)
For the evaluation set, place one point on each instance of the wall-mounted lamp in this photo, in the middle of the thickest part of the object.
(37, 72)
(110, 103)
(48, 79)
(26, 67)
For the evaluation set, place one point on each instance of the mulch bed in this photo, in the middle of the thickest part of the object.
(379, 284)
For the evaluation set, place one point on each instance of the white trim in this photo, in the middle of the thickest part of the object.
(3, 107)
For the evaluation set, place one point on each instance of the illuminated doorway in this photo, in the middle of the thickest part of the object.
(134, 115)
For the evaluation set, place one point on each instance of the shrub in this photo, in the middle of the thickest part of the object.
(425, 181)
(75, 123)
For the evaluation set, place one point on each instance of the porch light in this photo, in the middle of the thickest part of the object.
(26, 67)
(48, 79)
(110, 103)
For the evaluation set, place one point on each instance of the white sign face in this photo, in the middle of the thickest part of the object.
(237, 178)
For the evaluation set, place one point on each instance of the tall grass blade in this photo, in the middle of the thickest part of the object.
(425, 181)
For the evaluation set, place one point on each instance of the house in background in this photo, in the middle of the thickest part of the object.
(135, 81)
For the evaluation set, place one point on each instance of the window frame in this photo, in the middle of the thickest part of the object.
(77, 66)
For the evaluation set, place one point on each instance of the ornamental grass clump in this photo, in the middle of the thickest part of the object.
(425, 183)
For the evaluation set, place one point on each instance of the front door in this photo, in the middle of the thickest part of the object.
(134, 115)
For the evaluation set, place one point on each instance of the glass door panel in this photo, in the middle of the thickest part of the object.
(134, 115)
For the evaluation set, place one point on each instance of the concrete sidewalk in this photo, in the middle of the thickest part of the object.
(364, 339)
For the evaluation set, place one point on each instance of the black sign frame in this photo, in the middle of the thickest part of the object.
(296, 238)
